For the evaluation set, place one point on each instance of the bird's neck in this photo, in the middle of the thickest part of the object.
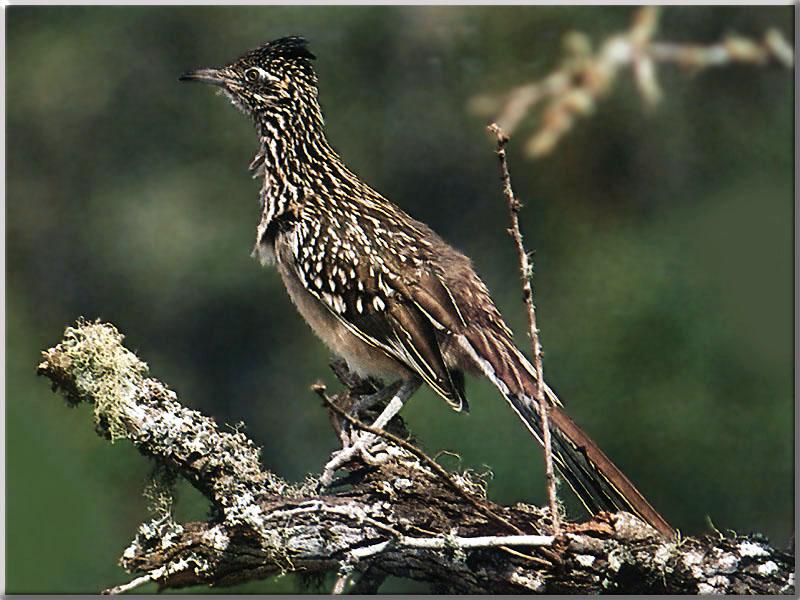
(296, 160)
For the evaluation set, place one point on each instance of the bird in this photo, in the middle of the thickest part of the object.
(381, 289)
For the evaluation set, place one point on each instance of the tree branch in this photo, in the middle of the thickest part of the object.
(396, 517)
(584, 77)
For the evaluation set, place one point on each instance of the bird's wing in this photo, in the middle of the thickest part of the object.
(397, 318)
(403, 331)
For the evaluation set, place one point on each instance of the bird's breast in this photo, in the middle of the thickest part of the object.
(362, 358)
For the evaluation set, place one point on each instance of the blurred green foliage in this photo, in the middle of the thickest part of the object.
(663, 243)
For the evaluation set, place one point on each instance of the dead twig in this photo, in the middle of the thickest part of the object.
(526, 274)
(127, 587)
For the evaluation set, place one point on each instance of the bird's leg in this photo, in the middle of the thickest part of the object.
(363, 404)
(405, 390)
(367, 401)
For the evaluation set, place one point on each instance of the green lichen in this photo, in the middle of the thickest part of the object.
(91, 364)
(160, 492)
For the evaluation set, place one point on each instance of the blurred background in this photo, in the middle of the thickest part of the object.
(663, 240)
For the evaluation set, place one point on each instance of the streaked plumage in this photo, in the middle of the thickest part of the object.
(380, 288)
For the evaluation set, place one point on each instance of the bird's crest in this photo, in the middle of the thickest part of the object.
(288, 48)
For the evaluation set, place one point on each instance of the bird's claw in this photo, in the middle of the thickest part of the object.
(360, 446)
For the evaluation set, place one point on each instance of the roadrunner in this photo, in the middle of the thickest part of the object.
(381, 289)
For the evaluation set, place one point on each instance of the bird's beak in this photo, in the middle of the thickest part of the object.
(212, 76)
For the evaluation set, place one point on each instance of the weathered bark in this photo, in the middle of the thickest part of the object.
(396, 516)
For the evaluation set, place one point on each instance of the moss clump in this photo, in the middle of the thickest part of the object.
(91, 364)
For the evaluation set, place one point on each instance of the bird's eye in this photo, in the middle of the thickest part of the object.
(252, 75)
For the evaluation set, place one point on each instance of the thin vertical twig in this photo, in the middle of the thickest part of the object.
(526, 274)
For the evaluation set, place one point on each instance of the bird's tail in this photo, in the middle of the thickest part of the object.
(596, 480)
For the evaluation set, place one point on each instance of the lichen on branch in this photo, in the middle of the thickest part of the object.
(91, 365)
(394, 515)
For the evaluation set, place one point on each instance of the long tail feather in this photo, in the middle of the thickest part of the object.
(596, 480)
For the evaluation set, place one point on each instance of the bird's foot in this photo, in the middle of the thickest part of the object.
(360, 446)
(361, 442)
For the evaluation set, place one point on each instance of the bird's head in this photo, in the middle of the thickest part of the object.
(274, 78)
